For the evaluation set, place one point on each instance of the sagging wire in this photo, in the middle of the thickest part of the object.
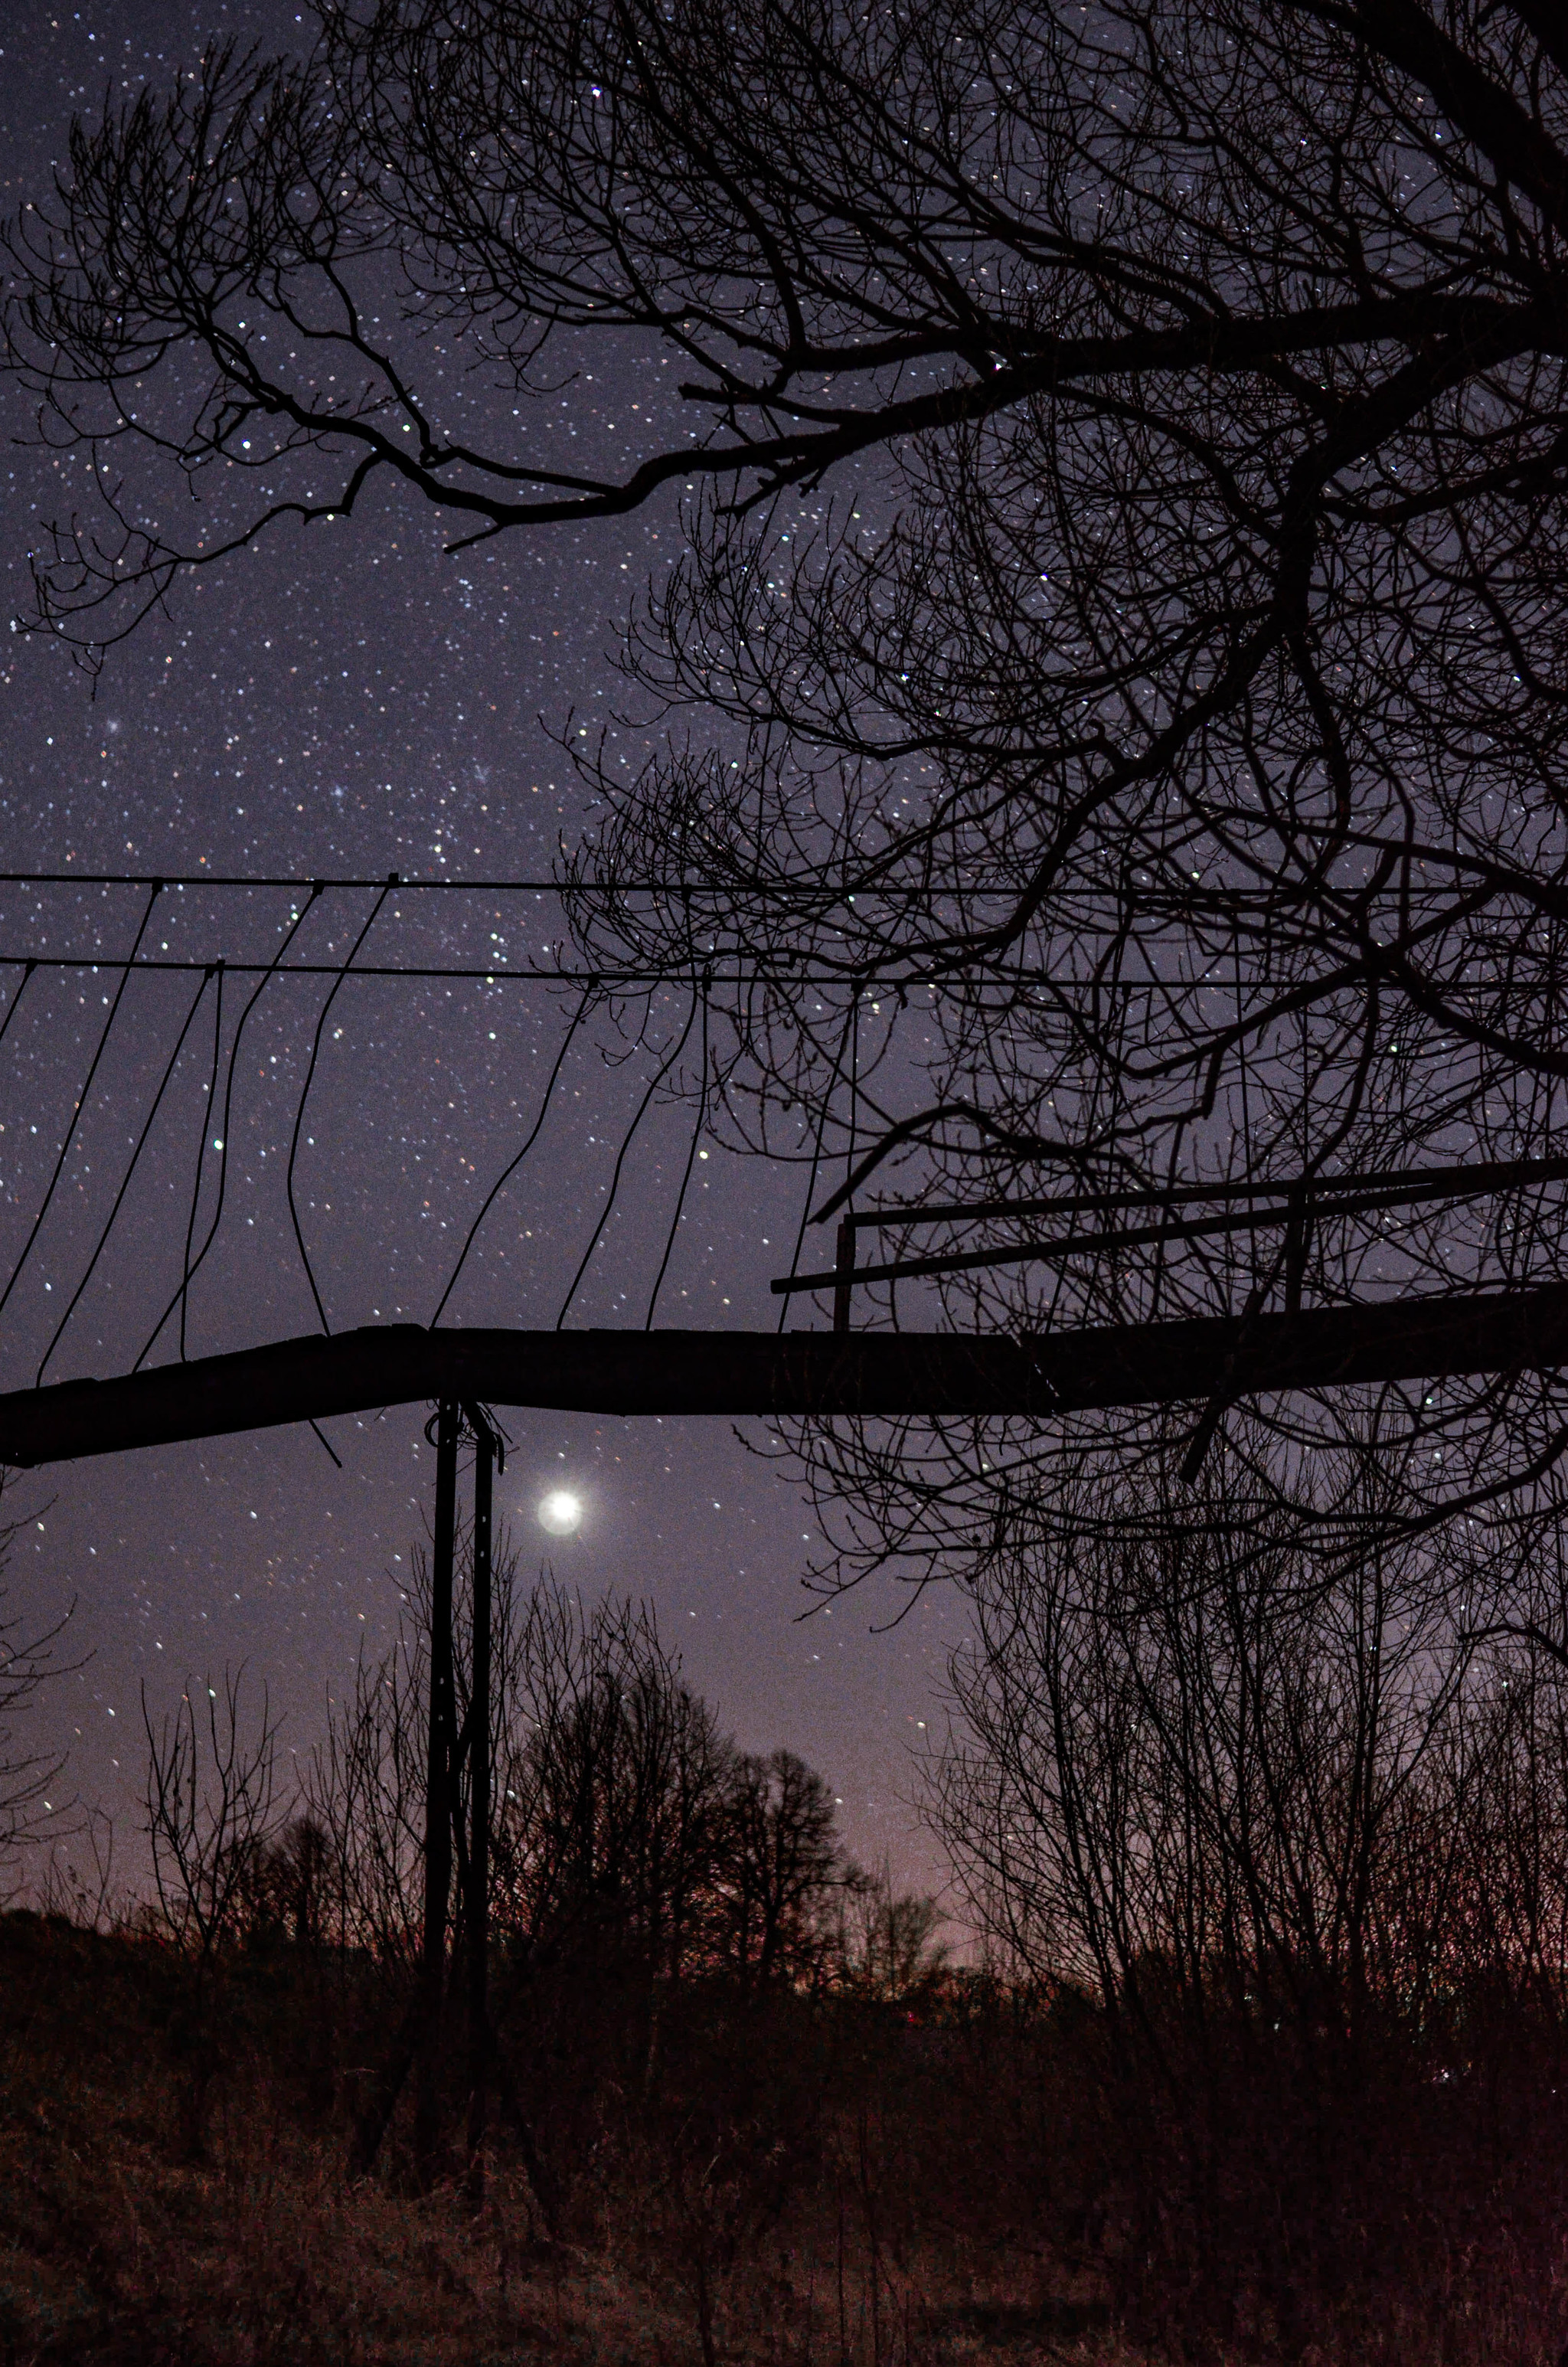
(660, 1074)
(28, 968)
(815, 1162)
(371, 919)
(513, 1165)
(81, 1102)
(125, 1182)
(855, 1084)
(685, 1180)
(208, 1107)
(194, 1265)
(747, 971)
(779, 891)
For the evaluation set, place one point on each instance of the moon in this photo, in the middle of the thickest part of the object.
(561, 1511)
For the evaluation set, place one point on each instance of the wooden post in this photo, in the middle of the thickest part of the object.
(843, 1267)
(478, 1804)
(438, 1793)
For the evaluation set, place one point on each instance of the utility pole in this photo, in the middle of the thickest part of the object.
(438, 1799)
(487, 1453)
(843, 1269)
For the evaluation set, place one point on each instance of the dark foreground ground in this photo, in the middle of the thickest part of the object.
(740, 2179)
(173, 2187)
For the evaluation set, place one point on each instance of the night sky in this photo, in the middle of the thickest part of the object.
(349, 700)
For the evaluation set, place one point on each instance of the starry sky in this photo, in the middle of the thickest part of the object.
(349, 700)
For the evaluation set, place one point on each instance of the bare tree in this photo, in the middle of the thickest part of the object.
(211, 1809)
(779, 1868)
(605, 1810)
(1473, 1895)
(29, 1656)
(1114, 664)
(612, 1791)
(1194, 1759)
(77, 1883)
(886, 1942)
(287, 1890)
(26, 1776)
(1283, 1859)
(364, 1792)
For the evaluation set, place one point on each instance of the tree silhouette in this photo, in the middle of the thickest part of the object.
(1121, 456)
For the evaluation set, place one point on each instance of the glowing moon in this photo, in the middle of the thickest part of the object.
(561, 1511)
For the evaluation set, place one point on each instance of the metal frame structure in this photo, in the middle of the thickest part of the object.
(1296, 1201)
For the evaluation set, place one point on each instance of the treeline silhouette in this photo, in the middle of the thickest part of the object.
(628, 1834)
(1264, 2054)
(689, 1977)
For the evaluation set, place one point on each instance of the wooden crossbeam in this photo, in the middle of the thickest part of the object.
(749, 1372)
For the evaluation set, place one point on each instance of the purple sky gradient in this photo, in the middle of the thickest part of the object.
(349, 700)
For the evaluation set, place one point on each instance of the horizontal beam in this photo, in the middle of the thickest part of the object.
(1468, 1180)
(1303, 1201)
(822, 1373)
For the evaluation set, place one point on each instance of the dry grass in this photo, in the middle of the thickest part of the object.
(799, 2187)
(123, 2241)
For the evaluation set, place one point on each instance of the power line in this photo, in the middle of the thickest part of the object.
(181, 1297)
(698, 1123)
(817, 1157)
(658, 1079)
(780, 890)
(496, 973)
(15, 1002)
(205, 1114)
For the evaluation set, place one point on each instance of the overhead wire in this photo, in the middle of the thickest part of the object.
(305, 1091)
(657, 1080)
(496, 972)
(12, 1008)
(193, 1266)
(855, 1083)
(781, 892)
(125, 1182)
(815, 1160)
(700, 1121)
(80, 1105)
(493, 972)
(511, 1168)
(206, 1116)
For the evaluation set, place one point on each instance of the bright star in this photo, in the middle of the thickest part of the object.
(561, 1511)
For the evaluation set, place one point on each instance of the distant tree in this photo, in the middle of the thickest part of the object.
(614, 1787)
(888, 1943)
(628, 1834)
(287, 1891)
(211, 1810)
(29, 1658)
(779, 1867)
(1192, 1762)
(365, 1791)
